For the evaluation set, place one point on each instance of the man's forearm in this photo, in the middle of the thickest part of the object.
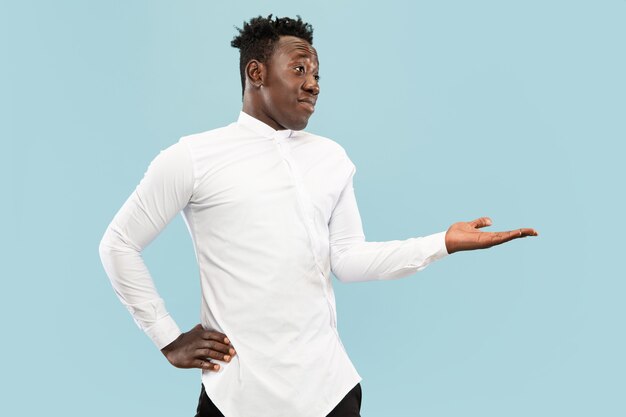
(366, 261)
(135, 288)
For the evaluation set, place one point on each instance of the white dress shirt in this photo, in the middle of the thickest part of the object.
(271, 214)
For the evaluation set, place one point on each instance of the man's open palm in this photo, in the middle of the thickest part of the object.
(467, 236)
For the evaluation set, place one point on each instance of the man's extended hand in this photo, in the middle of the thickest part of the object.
(195, 348)
(466, 236)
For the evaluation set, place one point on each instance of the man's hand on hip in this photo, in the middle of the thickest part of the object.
(196, 348)
(466, 236)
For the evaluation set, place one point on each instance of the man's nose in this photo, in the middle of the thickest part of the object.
(312, 85)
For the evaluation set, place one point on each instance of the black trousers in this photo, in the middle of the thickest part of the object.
(350, 406)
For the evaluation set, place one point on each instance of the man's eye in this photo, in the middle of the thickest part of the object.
(300, 68)
(317, 77)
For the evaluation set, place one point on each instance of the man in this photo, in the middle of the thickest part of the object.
(271, 211)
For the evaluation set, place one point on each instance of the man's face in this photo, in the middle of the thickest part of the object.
(290, 87)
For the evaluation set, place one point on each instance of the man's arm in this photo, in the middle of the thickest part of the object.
(354, 259)
(164, 191)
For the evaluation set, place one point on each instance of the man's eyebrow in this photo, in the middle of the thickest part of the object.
(303, 55)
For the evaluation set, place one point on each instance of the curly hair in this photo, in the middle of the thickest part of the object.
(258, 37)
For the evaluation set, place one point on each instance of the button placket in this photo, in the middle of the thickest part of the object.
(304, 202)
(306, 207)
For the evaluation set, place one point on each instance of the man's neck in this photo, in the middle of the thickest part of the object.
(254, 109)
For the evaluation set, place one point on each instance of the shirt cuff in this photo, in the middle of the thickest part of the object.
(431, 248)
(163, 332)
(439, 242)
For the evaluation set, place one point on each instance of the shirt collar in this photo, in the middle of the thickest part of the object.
(261, 128)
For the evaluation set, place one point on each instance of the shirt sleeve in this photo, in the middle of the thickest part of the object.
(164, 191)
(353, 259)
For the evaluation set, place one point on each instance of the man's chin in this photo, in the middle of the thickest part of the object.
(298, 124)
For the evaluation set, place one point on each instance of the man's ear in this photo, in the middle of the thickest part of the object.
(255, 73)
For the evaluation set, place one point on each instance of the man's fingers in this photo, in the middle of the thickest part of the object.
(523, 232)
(204, 364)
(528, 232)
(218, 341)
(481, 222)
(502, 237)
(220, 337)
(217, 346)
(213, 354)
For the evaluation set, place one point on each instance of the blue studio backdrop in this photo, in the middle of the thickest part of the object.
(450, 110)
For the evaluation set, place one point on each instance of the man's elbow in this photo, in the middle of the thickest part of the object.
(104, 248)
(112, 243)
(343, 277)
(341, 267)
(344, 273)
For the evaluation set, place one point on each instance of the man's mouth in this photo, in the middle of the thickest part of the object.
(308, 102)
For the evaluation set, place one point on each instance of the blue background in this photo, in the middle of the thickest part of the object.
(450, 110)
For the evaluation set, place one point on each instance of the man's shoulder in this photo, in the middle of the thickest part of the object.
(209, 135)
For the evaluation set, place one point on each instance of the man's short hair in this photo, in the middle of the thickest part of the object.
(258, 37)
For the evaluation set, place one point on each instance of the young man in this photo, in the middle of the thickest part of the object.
(271, 211)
